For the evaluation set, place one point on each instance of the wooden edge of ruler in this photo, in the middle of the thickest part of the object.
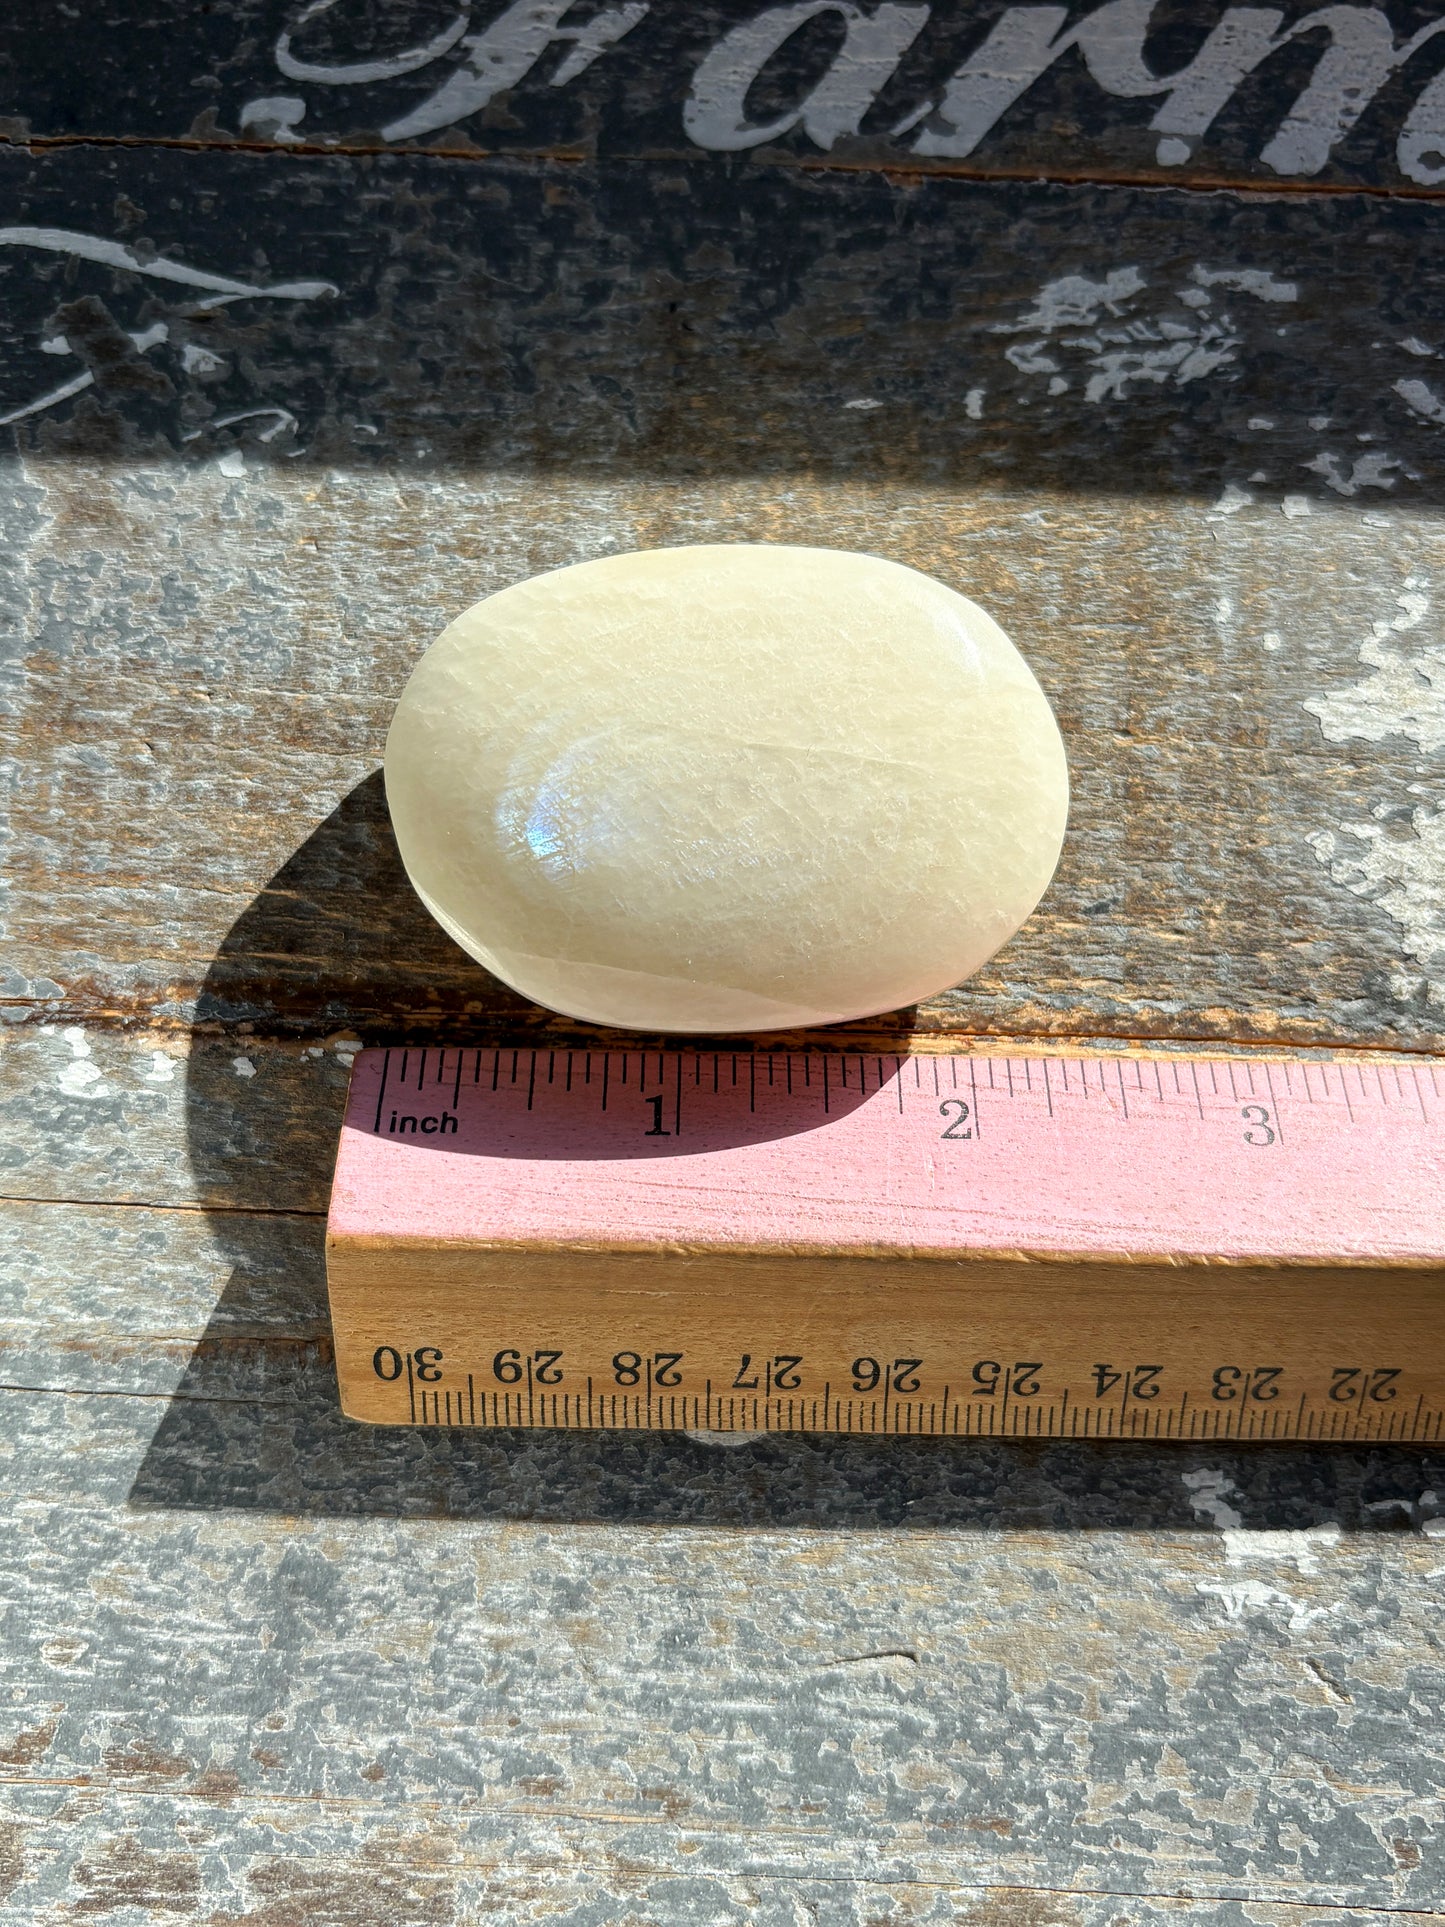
(785, 1254)
(747, 1341)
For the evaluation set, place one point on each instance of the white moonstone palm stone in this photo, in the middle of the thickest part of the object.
(727, 788)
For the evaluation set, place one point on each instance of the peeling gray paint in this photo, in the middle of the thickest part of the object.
(1399, 868)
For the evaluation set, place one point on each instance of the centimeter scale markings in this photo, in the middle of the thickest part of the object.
(1083, 1247)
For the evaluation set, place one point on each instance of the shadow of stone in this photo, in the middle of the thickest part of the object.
(715, 1100)
(256, 1426)
(338, 938)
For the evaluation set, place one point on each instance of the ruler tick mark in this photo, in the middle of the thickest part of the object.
(381, 1093)
(1273, 1105)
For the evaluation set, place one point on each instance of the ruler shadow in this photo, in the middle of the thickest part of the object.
(255, 1425)
(337, 940)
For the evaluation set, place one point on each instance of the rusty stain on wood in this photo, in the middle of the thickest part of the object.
(1298, 99)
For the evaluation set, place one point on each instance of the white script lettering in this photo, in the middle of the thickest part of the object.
(714, 116)
(1354, 50)
(505, 53)
(1359, 58)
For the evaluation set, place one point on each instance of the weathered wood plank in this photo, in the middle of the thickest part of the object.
(274, 1663)
(1246, 698)
(108, 1118)
(247, 1635)
(692, 318)
(207, 650)
(367, 1864)
(1169, 90)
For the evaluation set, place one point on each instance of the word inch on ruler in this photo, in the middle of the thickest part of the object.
(1083, 1247)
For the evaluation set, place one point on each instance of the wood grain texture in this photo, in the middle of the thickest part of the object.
(207, 667)
(579, 1675)
(210, 633)
(263, 1661)
(452, 1336)
(696, 320)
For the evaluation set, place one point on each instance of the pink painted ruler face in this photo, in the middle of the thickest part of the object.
(1096, 1156)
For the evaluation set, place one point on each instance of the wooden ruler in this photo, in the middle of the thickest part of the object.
(1081, 1247)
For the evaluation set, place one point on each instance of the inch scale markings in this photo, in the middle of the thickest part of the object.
(1089, 1247)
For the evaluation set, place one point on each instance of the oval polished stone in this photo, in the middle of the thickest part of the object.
(727, 788)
